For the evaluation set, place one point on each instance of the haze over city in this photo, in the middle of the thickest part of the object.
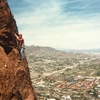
(61, 24)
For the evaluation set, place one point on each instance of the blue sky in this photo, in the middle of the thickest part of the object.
(61, 24)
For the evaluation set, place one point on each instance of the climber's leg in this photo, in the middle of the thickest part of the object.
(22, 52)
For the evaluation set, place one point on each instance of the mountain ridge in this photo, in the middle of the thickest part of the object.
(94, 50)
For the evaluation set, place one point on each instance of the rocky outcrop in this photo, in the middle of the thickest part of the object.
(15, 82)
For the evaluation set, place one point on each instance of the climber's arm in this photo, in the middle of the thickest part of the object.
(18, 38)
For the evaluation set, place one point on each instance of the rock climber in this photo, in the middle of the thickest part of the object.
(21, 45)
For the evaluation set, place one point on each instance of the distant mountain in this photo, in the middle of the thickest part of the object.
(51, 51)
(84, 50)
(39, 51)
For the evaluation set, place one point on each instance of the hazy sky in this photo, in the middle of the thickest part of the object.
(62, 24)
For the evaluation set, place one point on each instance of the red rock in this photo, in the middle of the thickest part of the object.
(15, 82)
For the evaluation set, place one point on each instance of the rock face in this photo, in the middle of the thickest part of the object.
(15, 82)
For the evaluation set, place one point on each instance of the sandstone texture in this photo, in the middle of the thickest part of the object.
(15, 82)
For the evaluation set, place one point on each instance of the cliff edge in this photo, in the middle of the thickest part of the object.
(15, 82)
